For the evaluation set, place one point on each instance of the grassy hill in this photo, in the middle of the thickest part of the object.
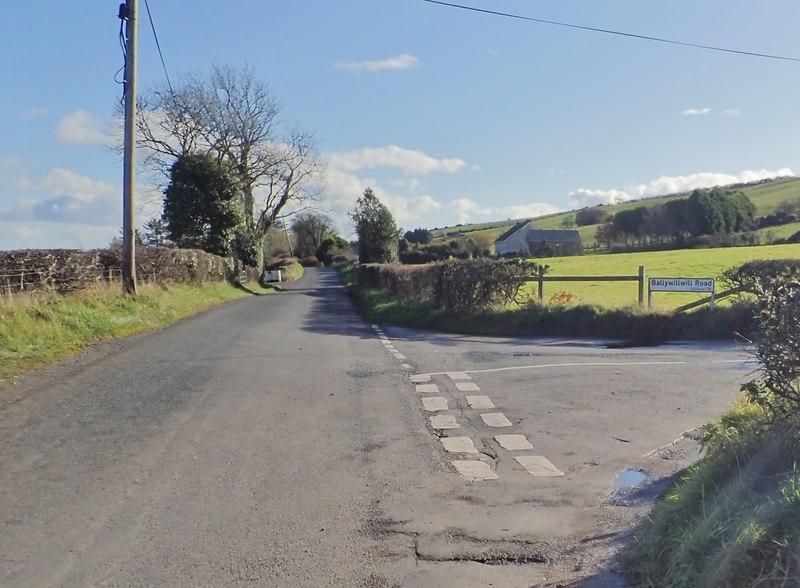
(766, 196)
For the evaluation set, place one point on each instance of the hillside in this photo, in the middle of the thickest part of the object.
(766, 196)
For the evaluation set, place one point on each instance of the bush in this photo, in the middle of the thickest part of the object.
(454, 284)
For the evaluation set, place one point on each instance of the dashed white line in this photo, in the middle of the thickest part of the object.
(435, 403)
(427, 388)
(538, 466)
(400, 356)
(459, 445)
(479, 402)
(444, 421)
(513, 442)
(419, 378)
(495, 419)
(467, 387)
(474, 470)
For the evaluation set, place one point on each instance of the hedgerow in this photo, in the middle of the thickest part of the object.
(454, 284)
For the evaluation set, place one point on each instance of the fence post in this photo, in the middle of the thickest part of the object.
(642, 276)
(541, 283)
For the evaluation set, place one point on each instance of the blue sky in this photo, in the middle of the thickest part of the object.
(451, 116)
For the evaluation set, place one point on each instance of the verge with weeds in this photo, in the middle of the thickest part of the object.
(734, 518)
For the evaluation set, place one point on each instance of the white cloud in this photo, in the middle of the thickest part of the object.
(398, 62)
(730, 112)
(528, 210)
(673, 185)
(26, 232)
(65, 196)
(83, 128)
(35, 112)
(467, 209)
(696, 111)
(411, 162)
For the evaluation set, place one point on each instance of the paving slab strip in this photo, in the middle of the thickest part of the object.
(459, 445)
(479, 402)
(435, 403)
(513, 442)
(474, 470)
(444, 421)
(538, 466)
(458, 376)
(496, 419)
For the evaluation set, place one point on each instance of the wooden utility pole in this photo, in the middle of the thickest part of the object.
(129, 162)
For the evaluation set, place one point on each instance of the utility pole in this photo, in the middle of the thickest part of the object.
(128, 12)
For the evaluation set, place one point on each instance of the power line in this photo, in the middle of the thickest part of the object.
(611, 32)
(158, 46)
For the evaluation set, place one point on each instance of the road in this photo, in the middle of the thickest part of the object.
(282, 441)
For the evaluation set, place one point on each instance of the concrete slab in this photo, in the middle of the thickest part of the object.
(444, 421)
(420, 378)
(513, 442)
(479, 402)
(539, 466)
(459, 445)
(474, 470)
(434, 403)
(427, 388)
(467, 386)
(496, 419)
(458, 376)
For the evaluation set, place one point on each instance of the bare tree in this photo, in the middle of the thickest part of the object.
(232, 115)
(310, 229)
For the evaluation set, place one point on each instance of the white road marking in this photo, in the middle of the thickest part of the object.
(459, 445)
(405, 366)
(400, 356)
(427, 388)
(539, 466)
(467, 387)
(495, 419)
(513, 442)
(434, 403)
(376, 327)
(474, 470)
(587, 364)
(458, 376)
(479, 402)
(419, 378)
(444, 421)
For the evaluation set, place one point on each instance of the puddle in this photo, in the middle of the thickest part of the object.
(631, 478)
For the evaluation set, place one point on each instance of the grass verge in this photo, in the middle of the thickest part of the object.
(37, 329)
(734, 517)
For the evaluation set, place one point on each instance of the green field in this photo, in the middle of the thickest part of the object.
(682, 263)
(766, 198)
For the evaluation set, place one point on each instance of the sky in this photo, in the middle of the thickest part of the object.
(451, 116)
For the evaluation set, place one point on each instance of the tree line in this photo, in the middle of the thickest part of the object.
(704, 212)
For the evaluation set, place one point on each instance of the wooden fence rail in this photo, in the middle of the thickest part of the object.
(641, 278)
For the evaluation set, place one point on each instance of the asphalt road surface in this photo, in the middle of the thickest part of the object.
(282, 441)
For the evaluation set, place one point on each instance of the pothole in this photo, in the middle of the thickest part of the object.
(458, 547)
(631, 479)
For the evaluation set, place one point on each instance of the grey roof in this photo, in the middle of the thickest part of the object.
(513, 230)
(553, 235)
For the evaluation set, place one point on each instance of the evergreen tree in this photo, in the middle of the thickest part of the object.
(377, 231)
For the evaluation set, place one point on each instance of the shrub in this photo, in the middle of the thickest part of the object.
(453, 284)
